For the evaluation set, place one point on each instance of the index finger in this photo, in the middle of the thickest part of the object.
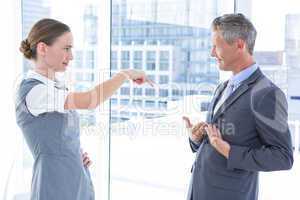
(208, 130)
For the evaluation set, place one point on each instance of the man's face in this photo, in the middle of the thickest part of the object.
(225, 54)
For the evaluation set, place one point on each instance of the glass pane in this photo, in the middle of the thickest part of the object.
(169, 40)
(138, 55)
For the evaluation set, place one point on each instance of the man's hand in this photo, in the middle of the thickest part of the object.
(196, 131)
(216, 140)
(86, 160)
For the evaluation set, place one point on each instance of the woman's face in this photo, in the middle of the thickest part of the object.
(58, 55)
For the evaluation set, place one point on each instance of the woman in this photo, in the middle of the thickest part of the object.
(45, 112)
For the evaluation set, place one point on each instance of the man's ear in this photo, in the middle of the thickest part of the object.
(41, 48)
(241, 44)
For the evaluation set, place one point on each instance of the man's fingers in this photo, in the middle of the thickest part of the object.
(214, 140)
(202, 127)
(208, 129)
(216, 131)
(214, 134)
(188, 123)
(199, 128)
(195, 128)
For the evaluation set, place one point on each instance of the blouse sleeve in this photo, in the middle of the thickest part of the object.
(42, 98)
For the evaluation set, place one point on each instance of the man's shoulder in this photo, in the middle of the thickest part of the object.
(265, 84)
(264, 89)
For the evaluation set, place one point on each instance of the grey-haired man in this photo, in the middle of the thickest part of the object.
(246, 129)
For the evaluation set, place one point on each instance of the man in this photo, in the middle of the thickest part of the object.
(246, 129)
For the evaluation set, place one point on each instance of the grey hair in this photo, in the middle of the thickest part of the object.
(236, 26)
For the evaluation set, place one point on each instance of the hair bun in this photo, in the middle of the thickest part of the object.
(25, 49)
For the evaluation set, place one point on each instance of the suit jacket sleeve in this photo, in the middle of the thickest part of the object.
(271, 124)
(194, 145)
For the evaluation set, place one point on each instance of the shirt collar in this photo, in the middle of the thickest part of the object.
(238, 78)
(34, 75)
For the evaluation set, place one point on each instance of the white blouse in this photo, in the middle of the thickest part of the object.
(47, 97)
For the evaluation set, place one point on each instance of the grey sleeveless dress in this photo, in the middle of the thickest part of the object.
(54, 141)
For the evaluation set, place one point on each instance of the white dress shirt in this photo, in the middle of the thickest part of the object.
(47, 97)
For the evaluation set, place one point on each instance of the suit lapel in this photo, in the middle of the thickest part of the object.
(215, 99)
(245, 85)
(231, 99)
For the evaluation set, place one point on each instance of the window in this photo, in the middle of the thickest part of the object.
(164, 66)
(169, 37)
(78, 59)
(164, 55)
(152, 77)
(162, 104)
(170, 40)
(177, 92)
(114, 65)
(151, 56)
(138, 55)
(137, 91)
(125, 91)
(137, 65)
(137, 60)
(149, 92)
(124, 102)
(163, 93)
(204, 106)
(150, 66)
(125, 57)
(137, 103)
(114, 101)
(90, 60)
(114, 55)
(125, 65)
(151, 60)
(149, 104)
(163, 79)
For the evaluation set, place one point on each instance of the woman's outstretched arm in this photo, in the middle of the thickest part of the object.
(92, 98)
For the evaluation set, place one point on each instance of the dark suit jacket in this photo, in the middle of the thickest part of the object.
(253, 120)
